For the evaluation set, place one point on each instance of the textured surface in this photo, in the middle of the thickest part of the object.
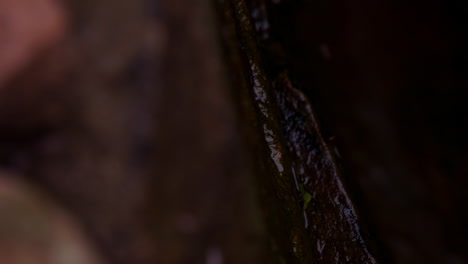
(188, 131)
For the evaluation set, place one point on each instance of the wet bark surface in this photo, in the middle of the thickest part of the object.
(235, 131)
(319, 222)
(385, 79)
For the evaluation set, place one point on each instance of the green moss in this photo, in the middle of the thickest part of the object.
(305, 195)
